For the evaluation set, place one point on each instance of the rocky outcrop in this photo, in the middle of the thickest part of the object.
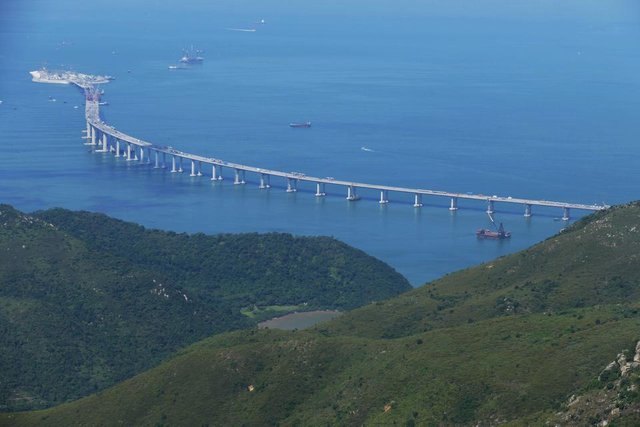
(615, 396)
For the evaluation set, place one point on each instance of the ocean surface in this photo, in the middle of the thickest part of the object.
(514, 98)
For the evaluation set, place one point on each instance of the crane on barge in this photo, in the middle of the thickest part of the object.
(499, 233)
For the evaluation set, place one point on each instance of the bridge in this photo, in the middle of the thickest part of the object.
(109, 140)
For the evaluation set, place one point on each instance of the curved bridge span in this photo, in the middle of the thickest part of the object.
(107, 139)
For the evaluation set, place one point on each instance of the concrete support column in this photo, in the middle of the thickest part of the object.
(292, 185)
(384, 197)
(117, 147)
(216, 173)
(199, 169)
(157, 159)
(104, 142)
(527, 210)
(239, 177)
(264, 181)
(93, 135)
(180, 165)
(129, 152)
(454, 204)
(88, 134)
(417, 201)
(193, 168)
(352, 196)
(566, 214)
(320, 189)
(173, 164)
(141, 155)
(490, 208)
(164, 160)
(149, 155)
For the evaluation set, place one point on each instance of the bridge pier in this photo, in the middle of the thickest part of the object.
(454, 204)
(265, 181)
(99, 145)
(320, 189)
(527, 210)
(104, 144)
(87, 134)
(164, 160)
(216, 173)
(239, 179)
(193, 168)
(352, 196)
(180, 165)
(157, 159)
(384, 198)
(199, 168)
(173, 164)
(129, 152)
(93, 135)
(148, 155)
(141, 159)
(292, 185)
(566, 214)
(490, 208)
(417, 201)
(117, 147)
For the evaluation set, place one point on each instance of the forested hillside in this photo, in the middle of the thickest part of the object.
(508, 342)
(87, 300)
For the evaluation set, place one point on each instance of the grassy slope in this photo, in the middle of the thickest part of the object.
(304, 378)
(572, 305)
(86, 300)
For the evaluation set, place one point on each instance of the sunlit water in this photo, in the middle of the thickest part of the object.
(528, 99)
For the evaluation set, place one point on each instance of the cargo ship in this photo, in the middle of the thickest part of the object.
(300, 125)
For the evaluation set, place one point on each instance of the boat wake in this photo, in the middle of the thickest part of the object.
(245, 30)
(367, 149)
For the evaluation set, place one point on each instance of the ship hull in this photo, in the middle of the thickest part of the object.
(488, 234)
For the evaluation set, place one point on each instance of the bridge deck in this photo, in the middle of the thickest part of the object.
(92, 112)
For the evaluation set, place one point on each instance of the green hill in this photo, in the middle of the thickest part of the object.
(506, 342)
(87, 300)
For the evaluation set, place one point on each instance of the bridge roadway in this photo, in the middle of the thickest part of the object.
(96, 125)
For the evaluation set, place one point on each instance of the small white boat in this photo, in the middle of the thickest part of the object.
(300, 125)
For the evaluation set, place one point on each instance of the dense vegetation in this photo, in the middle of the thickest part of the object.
(506, 342)
(87, 300)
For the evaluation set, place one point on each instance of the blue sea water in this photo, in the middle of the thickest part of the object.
(528, 99)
